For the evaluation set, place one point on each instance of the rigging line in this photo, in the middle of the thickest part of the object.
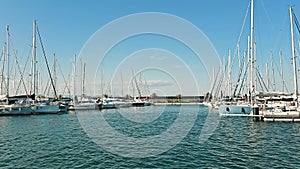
(244, 77)
(267, 15)
(215, 96)
(278, 70)
(261, 80)
(219, 87)
(2, 52)
(3, 85)
(24, 69)
(224, 68)
(69, 91)
(2, 70)
(46, 88)
(49, 72)
(240, 35)
(137, 86)
(296, 21)
(212, 89)
(239, 76)
(21, 74)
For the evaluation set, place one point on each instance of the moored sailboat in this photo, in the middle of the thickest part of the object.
(41, 106)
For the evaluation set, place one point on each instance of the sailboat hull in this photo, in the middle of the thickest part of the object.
(45, 109)
(234, 109)
(14, 110)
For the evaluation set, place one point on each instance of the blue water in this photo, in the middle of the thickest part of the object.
(60, 141)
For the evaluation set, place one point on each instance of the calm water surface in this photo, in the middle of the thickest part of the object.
(59, 141)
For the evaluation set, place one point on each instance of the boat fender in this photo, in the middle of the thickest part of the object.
(243, 110)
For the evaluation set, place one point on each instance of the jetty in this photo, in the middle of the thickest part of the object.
(270, 116)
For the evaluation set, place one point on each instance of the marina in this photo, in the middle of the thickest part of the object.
(144, 84)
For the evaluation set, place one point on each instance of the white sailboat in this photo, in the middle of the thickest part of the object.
(84, 103)
(40, 106)
(20, 107)
(236, 107)
(285, 112)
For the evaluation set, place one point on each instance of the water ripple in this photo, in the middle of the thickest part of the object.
(58, 141)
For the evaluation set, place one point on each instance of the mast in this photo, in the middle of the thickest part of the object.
(254, 68)
(267, 74)
(250, 71)
(251, 49)
(7, 52)
(281, 70)
(132, 85)
(122, 83)
(34, 59)
(229, 74)
(74, 80)
(83, 81)
(54, 69)
(102, 80)
(273, 73)
(137, 87)
(3, 55)
(293, 55)
(213, 79)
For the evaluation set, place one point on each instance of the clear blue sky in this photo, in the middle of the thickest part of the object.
(66, 25)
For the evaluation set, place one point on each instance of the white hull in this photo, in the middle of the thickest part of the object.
(45, 109)
(234, 109)
(84, 106)
(109, 106)
(9, 110)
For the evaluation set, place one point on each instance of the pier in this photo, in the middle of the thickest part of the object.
(271, 117)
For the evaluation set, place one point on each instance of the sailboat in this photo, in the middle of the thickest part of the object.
(45, 106)
(84, 103)
(282, 113)
(19, 107)
(234, 106)
(139, 101)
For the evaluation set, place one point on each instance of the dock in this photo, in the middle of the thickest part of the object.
(290, 116)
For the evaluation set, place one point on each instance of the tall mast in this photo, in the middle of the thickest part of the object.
(83, 81)
(54, 70)
(250, 71)
(3, 54)
(281, 70)
(273, 73)
(254, 68)
(293, 54)
(7, 52)
(251, 49)
(74, 79)
(34, 58)
(229, 74)
(122, 83)
(267, 74)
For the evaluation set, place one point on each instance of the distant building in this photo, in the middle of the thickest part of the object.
(177, 99)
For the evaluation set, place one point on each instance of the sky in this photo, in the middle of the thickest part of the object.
(156, 63)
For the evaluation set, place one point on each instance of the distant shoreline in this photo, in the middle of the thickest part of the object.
(177, 104)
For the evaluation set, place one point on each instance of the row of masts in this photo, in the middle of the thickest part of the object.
(6, 80)
(249, 67)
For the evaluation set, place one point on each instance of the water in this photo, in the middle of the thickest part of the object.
(59, 141)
